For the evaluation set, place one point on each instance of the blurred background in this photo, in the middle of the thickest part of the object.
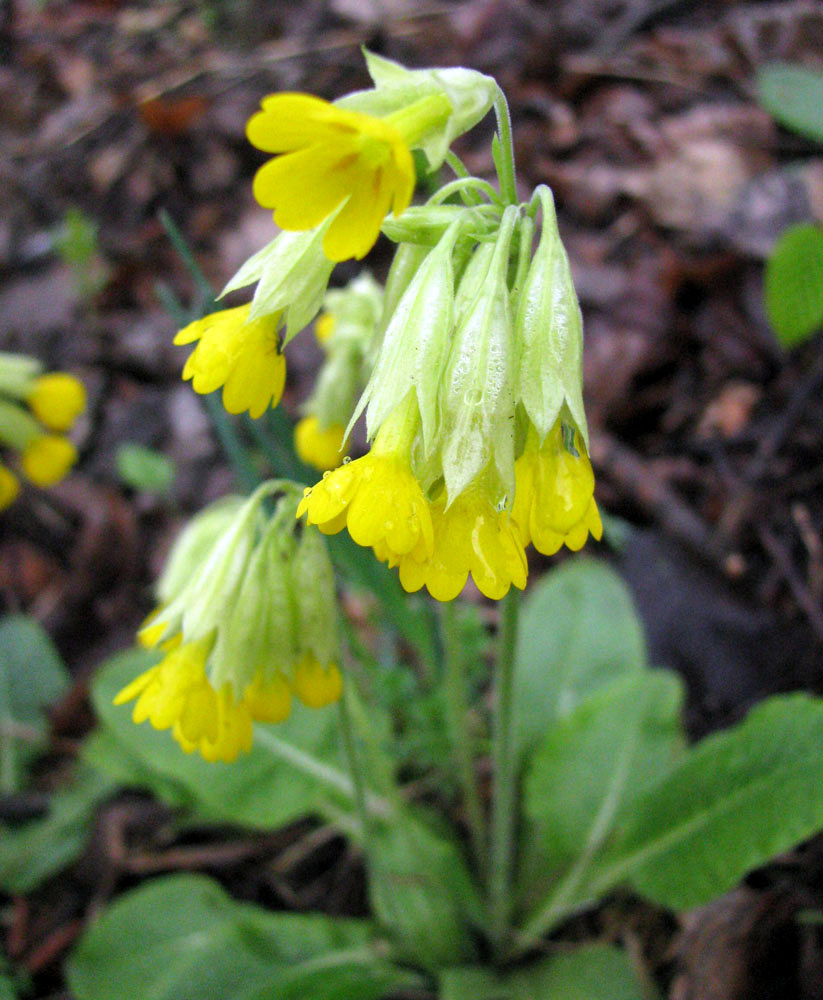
(673, 181)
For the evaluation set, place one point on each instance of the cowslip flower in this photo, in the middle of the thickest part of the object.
(47, 458)
(241, 355)
(246, 621)
(470, 536)
(9, 487)
(554, 501)
(377, 497)
(330, 160)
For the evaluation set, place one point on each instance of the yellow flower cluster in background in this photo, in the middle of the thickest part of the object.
(36, 411)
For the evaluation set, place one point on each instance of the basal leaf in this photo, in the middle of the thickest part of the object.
(32, 676)
(578, 631)
(738, 799)
(183, 938)
(31, 852)
(589, 770)
(593, 972)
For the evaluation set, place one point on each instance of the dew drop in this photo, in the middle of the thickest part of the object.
(347, 459)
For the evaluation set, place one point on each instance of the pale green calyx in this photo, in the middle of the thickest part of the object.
(258, 634)
(355, 312)
(548, 333)
(426, 224)
(470, 95)
(477, 399)
(200, 606)
(18, 428)
(415, 343)
(292, 274)
(315, 598)
(17, 373)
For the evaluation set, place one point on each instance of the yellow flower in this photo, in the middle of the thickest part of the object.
(324, 327)
(243, 357)
(330, 159)
(318, 446)
(378, 498)
(316, 685)
(47, 458)
(554, 501)
(9, 487)
(176, 694)
(57, 400)
(470, 536)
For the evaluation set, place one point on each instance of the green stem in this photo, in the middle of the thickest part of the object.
(355, 770)
(461, 185)
(504, 800)
(244, 469)
(457, 709)
(508, 186)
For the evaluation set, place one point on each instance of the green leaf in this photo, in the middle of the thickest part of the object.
(144, 468)
(793, 95)
(183, 938)
(7, 988)
(32, 676)
(31, 852)
(738, 799)
(794, 284)
(257, 790)
(421, 889)
(593, 972)
(578, 631)
(588, 772)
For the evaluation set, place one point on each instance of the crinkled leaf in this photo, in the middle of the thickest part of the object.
(794, 284)
(32, 676)
(184, 938)
(31, 852)
(794, 96)
(578, 631)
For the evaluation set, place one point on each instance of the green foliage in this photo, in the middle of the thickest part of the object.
(564, 652)
(32, 676)
(794, 284)
(594, 972)
(793, 95)
(77, 245)
(31, 852)
(183, 938)
(736, 800)
(144, 468)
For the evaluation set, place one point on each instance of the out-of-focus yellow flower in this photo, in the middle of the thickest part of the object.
(324, 327)
(330, 160)
(554, 501)
(241, 356)
(470, 536)
(57, 400)
(316, 685)
(319, 446)
(9, 487)
(47, 458)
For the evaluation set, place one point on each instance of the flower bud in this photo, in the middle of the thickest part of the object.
(292, 275)
(548, 332)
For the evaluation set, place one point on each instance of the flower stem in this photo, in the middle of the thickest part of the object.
(508, 186)
(504, 800)
(355, 770)
(457, 710)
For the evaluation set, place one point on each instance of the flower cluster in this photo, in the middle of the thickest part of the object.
(473, 403)
(475, 410)
(36, 411)
(244, 622)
